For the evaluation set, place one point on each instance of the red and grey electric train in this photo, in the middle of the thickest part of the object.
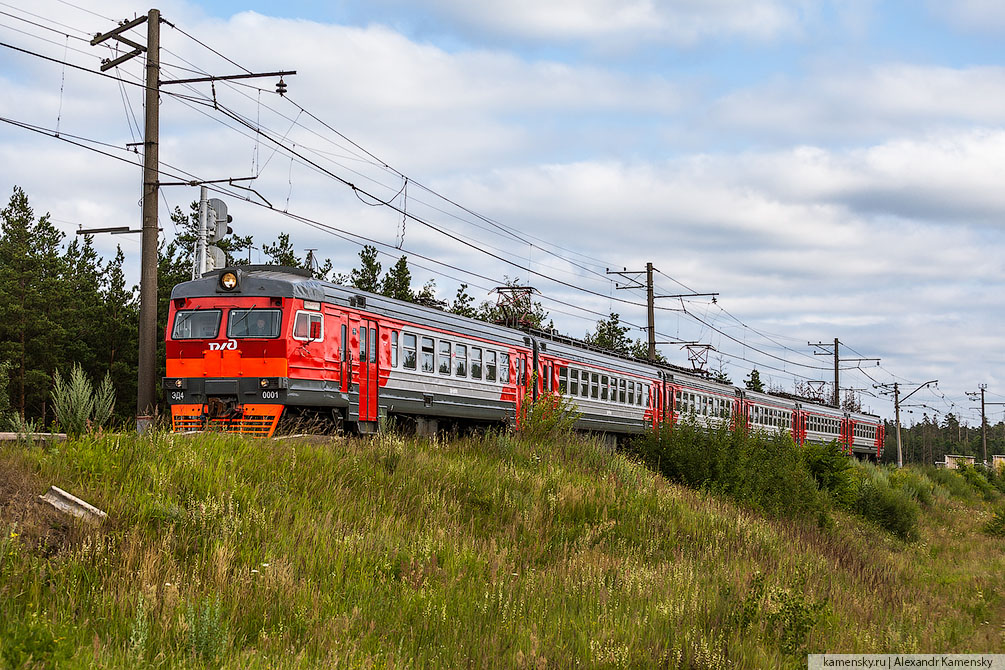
(246, 344)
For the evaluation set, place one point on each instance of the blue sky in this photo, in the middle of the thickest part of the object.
(831, 169)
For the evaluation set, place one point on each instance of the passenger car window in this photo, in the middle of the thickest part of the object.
(444, 357)
(476, 363)
(427, 354)
(490, 366)
(461, 362)
(408, 351)
(504, 368)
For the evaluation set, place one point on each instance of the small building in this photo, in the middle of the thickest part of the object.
(998, 462)
(955, 461)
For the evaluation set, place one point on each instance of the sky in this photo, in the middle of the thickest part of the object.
(828, 169)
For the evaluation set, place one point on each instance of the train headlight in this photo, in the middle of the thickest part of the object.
(228, 281)
(264, 383)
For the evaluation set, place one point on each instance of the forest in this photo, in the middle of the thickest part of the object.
(61, 305)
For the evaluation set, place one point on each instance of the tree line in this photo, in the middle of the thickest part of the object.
(928, 441)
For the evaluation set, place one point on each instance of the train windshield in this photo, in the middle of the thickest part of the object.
(202, 324)
(242, 323)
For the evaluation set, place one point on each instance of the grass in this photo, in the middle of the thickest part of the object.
(487, 552)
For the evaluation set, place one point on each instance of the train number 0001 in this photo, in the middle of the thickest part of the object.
(270, 395)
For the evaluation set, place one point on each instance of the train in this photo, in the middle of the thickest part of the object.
(247, 346)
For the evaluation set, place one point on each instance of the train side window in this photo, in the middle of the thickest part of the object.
(604, 383)
(428, 351)
(476, 363)
(373, 345)
(573, 381)
(504, 368)
(202, 324)
(584, 384)
(638, 393)
(362, 345)
(595, 386)
(461, 360)
(490, 366)
(563, 380)
(344, 344)
(622, 386)
(523, 370)
(307, 326)
(631, 393)
(408, 347)
(394, 348)
(444, 357)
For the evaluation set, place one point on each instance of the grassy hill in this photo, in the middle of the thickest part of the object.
(488, 552)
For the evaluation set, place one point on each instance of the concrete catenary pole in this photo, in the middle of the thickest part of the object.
(146, 396)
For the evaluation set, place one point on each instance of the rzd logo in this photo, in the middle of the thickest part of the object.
(229, 345)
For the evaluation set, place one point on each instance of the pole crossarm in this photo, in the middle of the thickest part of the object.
(250, 75)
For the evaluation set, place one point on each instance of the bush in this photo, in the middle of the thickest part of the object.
(766, 472)
(892, 509)
(547, 417)
(77, 406)
(831, 469)
(914, 484)
(995, 527)
(951, 481)
(979, 483)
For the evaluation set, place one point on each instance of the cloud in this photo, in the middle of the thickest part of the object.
(678, 23)
(866, 103)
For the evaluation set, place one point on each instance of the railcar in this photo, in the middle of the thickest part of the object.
(248, 345)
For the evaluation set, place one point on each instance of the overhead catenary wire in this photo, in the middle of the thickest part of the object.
(356, 189)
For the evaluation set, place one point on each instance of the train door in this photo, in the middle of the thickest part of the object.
(363, 345)
(336, 348)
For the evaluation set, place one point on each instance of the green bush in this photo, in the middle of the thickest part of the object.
(914, 484)
(764, 471)
(995, 527)
(831, 469)
(979, 483)
(951, 481)
(876, 500)
(547, 417)
(77, 406)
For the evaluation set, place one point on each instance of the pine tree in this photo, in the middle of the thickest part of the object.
(119, 349)
(30, 273)
(611, 335)
(282, 253)
(753, 382)
(397, 283)
(367, 277)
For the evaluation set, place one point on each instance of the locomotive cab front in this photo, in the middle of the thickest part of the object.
(226, 357)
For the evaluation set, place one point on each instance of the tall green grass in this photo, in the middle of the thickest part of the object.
(495, 551)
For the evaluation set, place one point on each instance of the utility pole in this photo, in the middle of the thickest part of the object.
(836, 395)
(984, 421)
(650, 299)
(896, 407)
(146, 392)
(146, 396)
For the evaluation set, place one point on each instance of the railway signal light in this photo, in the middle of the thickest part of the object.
(216, 229)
